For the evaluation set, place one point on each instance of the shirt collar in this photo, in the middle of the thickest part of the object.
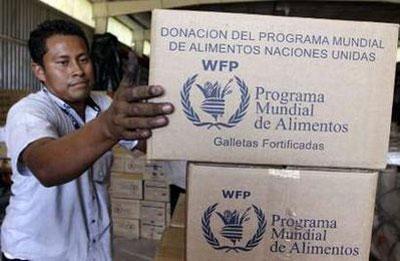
(92, 110)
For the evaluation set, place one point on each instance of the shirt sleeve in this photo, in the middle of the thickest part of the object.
(24, 126)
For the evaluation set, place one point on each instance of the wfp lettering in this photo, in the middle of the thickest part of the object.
(220, 65)
(230, 194)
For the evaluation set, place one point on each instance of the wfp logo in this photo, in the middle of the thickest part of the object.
(234, 224)
(214, 101)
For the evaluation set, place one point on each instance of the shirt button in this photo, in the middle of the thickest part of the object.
(93, 197)
(93, 220)
(94, 241)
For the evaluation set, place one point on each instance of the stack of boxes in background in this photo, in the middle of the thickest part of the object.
(386, 229)
(7, 99)
(308, 96)
(139, 193)
(155, 209)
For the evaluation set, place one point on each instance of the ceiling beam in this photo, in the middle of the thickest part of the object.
(116, 8)
(100, 21)
(100, 25)
(124, 19)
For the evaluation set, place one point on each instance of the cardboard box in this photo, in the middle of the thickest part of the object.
(127, 228)
(156, 190)
(276, 214)
(126, 186)
(135, 162)
(150, 231)
(153, 212)
(155, 170)
(179, 215)
(118, 164)
(7, 99)
(273, 90)
(128, 161)
(172, 245)
(125, 208)
(136, 165)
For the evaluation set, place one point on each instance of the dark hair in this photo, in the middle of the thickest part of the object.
(38, 37)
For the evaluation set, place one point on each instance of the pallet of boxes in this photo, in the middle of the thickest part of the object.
(286, 122)
(139, 193)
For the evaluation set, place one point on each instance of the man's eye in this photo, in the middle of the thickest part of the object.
(64, 63)
(84, 60)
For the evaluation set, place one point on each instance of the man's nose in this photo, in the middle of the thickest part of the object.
(76, 68)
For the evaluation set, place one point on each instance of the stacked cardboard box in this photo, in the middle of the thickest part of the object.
(139, 193)
(7, 99)
(179, 216)
(172, 246)
(155, 208)
(254, 212)
(285, 93)
(126, 191)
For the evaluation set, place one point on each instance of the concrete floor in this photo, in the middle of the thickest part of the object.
(134, 250)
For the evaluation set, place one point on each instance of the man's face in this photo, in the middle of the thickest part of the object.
(67, 70)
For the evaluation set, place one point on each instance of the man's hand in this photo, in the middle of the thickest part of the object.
(129, 117)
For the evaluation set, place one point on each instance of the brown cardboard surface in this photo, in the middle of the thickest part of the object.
(179, 215)
(156, 190)
(153, 212)
(128, 161)
(273, 90)
(118, 164)
(151, 231)
(7, 99)
(125, 208)
(126, 186)
(127, 228)
(172, 245)
(301, 215)
(155, 171)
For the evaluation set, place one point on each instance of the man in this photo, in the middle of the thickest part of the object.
(59, 140)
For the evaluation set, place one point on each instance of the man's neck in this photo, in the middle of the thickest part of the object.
(79, 108)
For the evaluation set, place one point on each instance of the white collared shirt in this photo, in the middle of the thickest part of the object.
(67, 222)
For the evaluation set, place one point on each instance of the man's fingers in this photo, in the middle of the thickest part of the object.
(137, 134)
(139, 93)
(148, 109)
(143, 123)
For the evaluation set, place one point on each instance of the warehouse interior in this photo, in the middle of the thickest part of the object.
(154, 208)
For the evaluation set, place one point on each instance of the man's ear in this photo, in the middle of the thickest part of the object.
(38, 70)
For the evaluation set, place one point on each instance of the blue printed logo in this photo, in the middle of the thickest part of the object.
(215, 97)
(234, 224)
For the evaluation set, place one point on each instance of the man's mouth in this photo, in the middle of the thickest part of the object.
(80, 83)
